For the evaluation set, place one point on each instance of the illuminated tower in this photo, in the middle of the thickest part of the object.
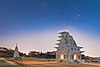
(67, 49)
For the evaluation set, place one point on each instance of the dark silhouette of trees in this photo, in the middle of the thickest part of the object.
(47, 55)
(83, 56)
(4, 52)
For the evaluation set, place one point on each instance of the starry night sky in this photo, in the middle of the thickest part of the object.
(18, 17)
(32, 15)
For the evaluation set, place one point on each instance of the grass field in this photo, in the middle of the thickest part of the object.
(6, 63)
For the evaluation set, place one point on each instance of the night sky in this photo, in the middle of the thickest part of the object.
(22, 19)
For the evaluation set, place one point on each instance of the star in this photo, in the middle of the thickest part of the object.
(79, 15)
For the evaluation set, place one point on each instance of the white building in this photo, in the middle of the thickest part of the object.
(16, 53)
(67, 49)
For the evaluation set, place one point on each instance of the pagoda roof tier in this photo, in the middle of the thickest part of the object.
(63, 32)
(60, 36)
(57, 43)
(58, 40)
(80, 47)
(56, 47)
(82, 51)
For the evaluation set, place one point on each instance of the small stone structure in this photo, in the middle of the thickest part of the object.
(16, 53)
(67, 49)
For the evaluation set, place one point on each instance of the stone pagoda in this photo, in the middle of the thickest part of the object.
(67, 49)
(16, 53)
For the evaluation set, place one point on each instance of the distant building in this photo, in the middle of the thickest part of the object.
(3, 49)
(67, 49)
(33, 53)
(16, 53)
(51, 53)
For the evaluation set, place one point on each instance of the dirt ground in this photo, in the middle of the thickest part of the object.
(28, 63)
(57, 64)
(62, 65)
